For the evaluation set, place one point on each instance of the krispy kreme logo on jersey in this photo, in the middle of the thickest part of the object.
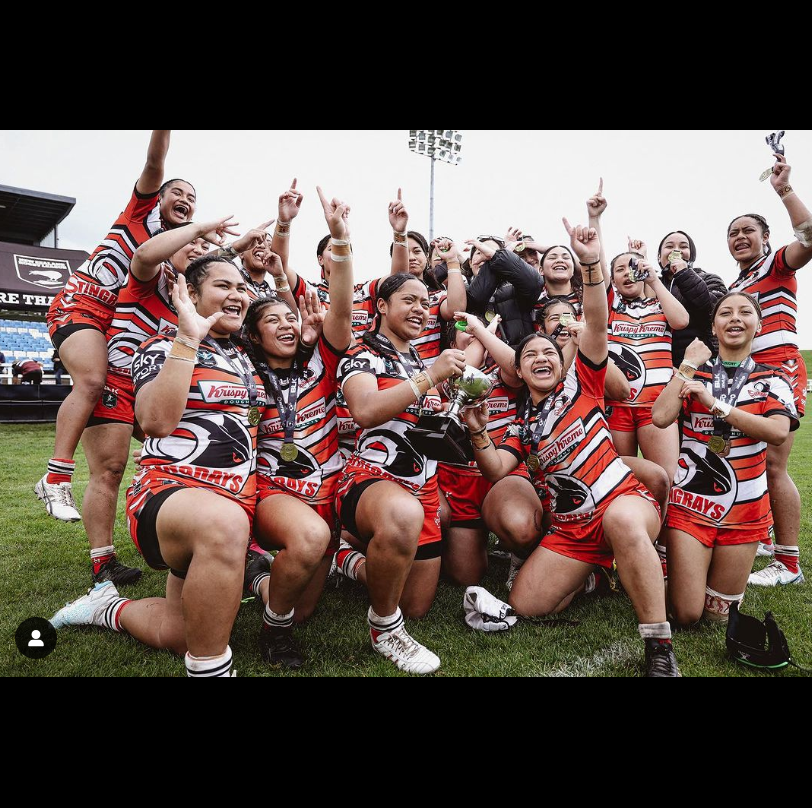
(49, 273)
(498, 405)
(359, 318)
(232, 395)
(564, 446)
(702, 423)
(638, 331)
(312, 415)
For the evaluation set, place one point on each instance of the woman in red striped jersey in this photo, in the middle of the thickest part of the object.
(299, 458)
(771, 278)
(82, 313)
(732, 408)
(191, 506)
(476, 507)
(600, 511)
(642, 315)
(144, 310)
(388, 497)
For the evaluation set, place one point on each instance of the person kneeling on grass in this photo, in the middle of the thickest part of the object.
(190, 509)
(732, 410)
(600, 511)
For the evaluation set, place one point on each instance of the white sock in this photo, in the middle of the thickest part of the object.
(656, 631)
(210, 667)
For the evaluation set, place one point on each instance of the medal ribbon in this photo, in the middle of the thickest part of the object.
(728, 393)
(287, 409)
(543, 415)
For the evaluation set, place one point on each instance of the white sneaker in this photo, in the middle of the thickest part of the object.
(58, 500)
(765, 550)
(407, 654)
(516, 565)
(777, 575)
(89, 610)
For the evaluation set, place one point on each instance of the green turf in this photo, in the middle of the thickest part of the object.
(43, 564)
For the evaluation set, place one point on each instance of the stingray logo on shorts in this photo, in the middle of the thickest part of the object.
(705, 484)
(110, 398)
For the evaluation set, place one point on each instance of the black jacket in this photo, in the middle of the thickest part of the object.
(699, 292)
(511, 288)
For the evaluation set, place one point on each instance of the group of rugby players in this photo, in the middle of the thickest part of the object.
(276, 420)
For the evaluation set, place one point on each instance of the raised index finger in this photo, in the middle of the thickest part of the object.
(569, 228)
(600, 188)
(293, 184)
(325, 203)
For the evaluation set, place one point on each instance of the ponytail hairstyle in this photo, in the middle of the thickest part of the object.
(762, 223)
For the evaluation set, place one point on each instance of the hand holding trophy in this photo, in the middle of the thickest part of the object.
(444, 437)
(774, 142)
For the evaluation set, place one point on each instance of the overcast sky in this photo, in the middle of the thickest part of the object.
(657, 181)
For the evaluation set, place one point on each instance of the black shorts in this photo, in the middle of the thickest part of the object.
(62, 334)
(349, 507)
(148, 542)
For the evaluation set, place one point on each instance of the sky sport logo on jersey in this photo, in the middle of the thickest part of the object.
(47, 273)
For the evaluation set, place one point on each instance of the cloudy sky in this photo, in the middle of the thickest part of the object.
(656, 181)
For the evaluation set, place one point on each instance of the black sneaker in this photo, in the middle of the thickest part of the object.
(661, 662)
(116, 572)
(279, 649)
(256, 564)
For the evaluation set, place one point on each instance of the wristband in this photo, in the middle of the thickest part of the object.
(804, 234)
(415, 389)
(720, 409)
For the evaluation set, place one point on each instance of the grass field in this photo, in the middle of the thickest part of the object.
(44, 564)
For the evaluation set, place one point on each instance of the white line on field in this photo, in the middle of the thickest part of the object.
(618, 654)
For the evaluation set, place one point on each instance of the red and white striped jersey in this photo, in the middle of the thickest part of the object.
(144, 311)
(730, 492)
(106, 271)
(214, 446)
(429, 342)
(316, 435)
(775, 285)
(386, 448)
(363, 304)
(640, 343)
(577, 459)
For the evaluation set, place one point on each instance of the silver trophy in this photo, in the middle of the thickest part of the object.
(444, 437)
(774, 142)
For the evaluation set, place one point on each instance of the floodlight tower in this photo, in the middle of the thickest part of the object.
(444, 145)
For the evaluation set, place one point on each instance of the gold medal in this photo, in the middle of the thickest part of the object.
(766, 175)
(533, 463)
(567, 320)
(254, 416)
(718, 445)
(490, 316)
(674, 257)
(289, 452)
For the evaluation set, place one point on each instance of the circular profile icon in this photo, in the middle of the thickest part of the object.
(36, 638)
